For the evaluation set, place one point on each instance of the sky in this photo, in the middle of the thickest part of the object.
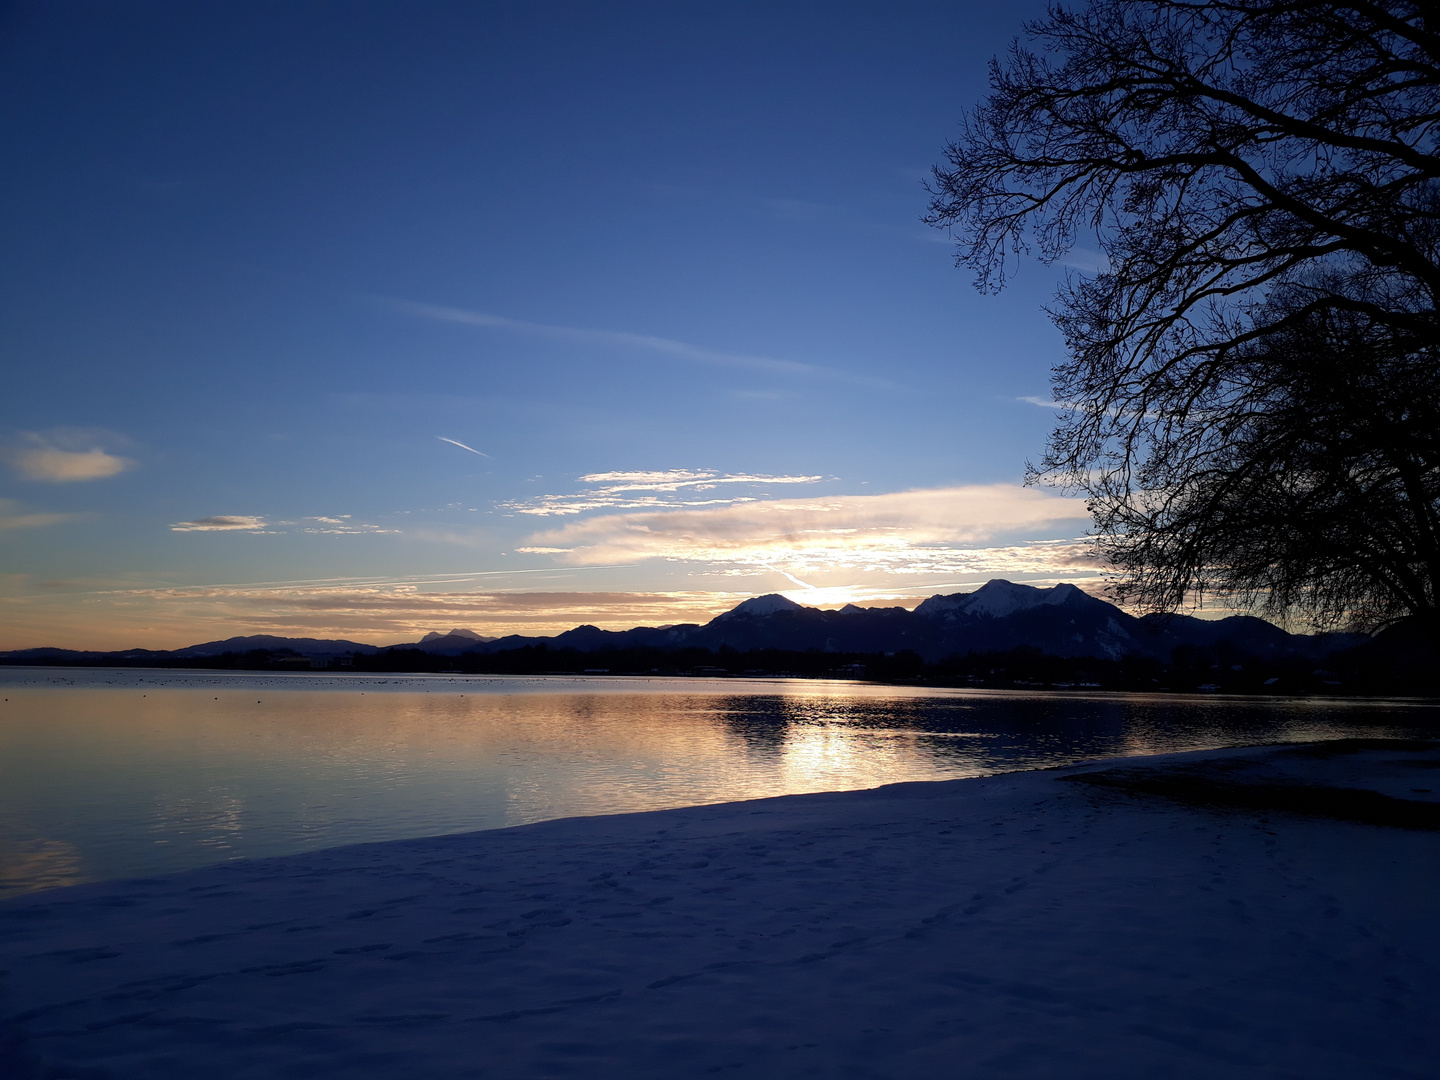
(362, 320)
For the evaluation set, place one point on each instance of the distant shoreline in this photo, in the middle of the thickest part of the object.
(1001, 636)
(1019, 671)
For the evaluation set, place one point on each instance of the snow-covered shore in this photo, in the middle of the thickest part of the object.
(1014, 926)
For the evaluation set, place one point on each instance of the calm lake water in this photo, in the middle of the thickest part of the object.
(107, 774)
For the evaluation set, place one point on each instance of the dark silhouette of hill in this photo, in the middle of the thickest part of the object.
(1061, 621)
(1070, 630)
(304, 646)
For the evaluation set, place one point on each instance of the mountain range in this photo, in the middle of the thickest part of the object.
(1062, 621)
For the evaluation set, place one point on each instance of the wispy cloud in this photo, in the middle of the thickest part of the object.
(221, 523)
(649, 490)
(1086, 260)
(342, 525)
(108, 615)
(376, 612)
(679, 350)
(462, 446)
(12, 517)
(63, 456)
(944, 531)
(1043, 403)
(1058, 406)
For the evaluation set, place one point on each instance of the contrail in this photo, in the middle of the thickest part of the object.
(681, 350)
(462, 446)
(786, 573)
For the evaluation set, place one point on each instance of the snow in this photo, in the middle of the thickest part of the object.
(1014, 926)
(997, 599)
(760, 605)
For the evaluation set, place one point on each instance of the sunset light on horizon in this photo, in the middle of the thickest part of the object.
(667, 538)
(317, 330)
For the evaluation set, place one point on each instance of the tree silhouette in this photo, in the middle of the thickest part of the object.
(1252, 388)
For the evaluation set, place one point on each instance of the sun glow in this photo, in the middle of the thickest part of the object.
(829, 596)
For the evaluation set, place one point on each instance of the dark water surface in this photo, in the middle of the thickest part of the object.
(107, 774)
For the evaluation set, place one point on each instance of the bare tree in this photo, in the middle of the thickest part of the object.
(1253, 382)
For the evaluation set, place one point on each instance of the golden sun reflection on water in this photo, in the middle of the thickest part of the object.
(832, 757)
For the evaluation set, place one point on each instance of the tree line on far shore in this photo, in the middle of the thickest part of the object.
(1396, 664)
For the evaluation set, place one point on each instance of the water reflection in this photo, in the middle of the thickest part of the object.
(212, 819)
(30, 865)
(120, 777)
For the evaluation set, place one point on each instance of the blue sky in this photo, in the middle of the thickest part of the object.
(656, 271)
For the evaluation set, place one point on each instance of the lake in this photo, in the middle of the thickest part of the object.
(122, 773)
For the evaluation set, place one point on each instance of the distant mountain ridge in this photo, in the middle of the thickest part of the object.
(304, 646)
(1062, 621)
(469, 635)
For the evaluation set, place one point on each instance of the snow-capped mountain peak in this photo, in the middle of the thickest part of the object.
(997, 598)
(760, 606)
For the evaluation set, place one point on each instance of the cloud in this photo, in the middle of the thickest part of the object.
(66, 466)
(376, 612)
(401, 610)
(342, 526)
(648, 490)
(679, 350)
(1086, 260)
(221, 523)
(462, 446)
(108, 615)
(1058, 406)
(926, 532)
(64, 456)
(12, 518)
(675, 479)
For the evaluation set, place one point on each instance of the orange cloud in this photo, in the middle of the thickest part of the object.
(927, 531)
(72, 615)
(65, 456)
